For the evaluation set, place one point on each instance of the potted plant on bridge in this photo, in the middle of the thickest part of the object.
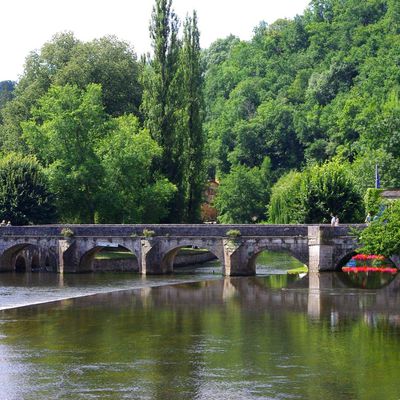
(68, 233)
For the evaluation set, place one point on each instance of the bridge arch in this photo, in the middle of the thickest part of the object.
(20, 263)
(343, 259)
(11, 258)
(172, 249)
(252, 262)
(35, 263)
(247, 251)
(87, 259)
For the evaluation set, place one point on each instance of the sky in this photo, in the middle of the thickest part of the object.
(26, 25)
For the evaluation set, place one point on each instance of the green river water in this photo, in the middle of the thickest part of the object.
(200, 336)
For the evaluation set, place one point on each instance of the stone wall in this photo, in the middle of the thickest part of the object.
(131, 264)
(115, 265)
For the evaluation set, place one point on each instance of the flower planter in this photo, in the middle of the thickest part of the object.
(369, 263)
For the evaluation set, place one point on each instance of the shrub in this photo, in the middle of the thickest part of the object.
(373, 201)
(233, 233)
(148, 233)
(67, 232)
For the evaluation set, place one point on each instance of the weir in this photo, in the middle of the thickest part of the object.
(320, 247)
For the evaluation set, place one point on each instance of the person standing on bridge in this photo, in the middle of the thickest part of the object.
(336, 221)
(333, 220)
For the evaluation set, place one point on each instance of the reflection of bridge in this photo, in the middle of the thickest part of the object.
(321, 247)
(319, 295)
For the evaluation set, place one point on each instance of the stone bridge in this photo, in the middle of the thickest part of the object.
(320, 247)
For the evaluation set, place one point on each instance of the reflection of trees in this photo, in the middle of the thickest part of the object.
(237, 333)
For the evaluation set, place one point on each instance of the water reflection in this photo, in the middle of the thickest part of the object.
(368, 280)
(276, 262)
(276, 337)
(18, 290)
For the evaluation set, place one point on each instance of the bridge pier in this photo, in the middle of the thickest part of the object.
(320, 248)
(236, 259)
(68, 259)
(152, 258)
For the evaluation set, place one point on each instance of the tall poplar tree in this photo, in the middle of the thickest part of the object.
(161, 99)
(192, 88)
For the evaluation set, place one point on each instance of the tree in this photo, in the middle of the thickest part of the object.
(66, 60)
(330, 188)
(24, 194)
(192, 82)
(382, 236)
(131, 192)
(243, 194)
(286, 205)
(6, 92)
(110, 62)
(64, 132)
(161, 99)
(310, 196)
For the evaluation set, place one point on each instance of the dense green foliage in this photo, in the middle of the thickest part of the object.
(286, 205)
(321, 87)
(131, 192)
(24, 195)
(6, 93)
(99, 163)
(329, 189)
(382, 236)
(66, 126)
(66, 60)
(192, 115)
(373, 202)
(303, 91)
(243, 194)
(161, 98)
(172, 107)
(311, 196)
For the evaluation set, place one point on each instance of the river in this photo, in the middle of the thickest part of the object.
(197, 335)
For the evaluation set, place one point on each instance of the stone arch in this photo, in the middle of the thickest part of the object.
(86, 262)
(253, 249)
(343, 259)
(50, 262)
(167, 262)
(10, 255)
(20, 263)
(35, 263)
(171, 250)
(252, 260)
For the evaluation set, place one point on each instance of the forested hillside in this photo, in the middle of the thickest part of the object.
(292, 122)
(321, 86)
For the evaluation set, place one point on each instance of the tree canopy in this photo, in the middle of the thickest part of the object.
(312, 195)
(303, 93)
(382, 235)
(25, 197)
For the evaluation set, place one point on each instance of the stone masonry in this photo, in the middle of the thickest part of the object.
(320, 247)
